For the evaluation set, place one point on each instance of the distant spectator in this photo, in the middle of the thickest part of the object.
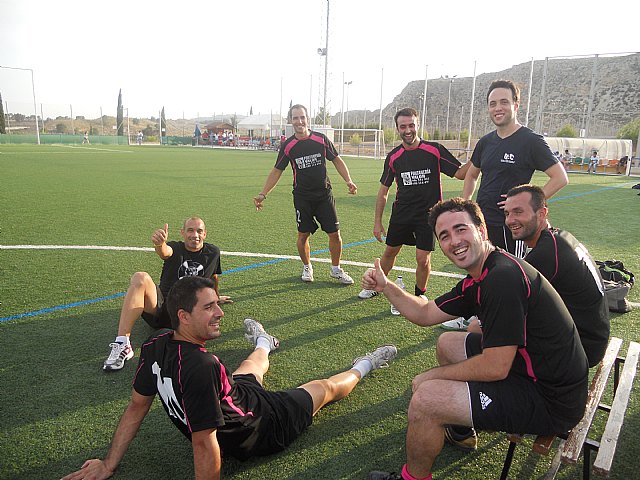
(593, 162)
(566, 158)
(622, 164)
(139, 138)
(85, 139)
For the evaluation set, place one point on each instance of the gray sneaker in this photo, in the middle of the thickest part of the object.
(380, 357)
(255, 330)
(119, 354)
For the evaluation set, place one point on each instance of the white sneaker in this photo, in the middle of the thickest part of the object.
(394, 310)
(366, 294)
(380, 357)
(255, 330)
(120, 353)
(458, 324)
(307, 274)
(343, 276)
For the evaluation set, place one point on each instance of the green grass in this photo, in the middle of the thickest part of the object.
(59, 408)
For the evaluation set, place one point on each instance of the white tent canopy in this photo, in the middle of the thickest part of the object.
(266, 125)
(611, 149)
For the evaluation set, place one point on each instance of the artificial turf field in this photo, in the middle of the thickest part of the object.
(59, 309)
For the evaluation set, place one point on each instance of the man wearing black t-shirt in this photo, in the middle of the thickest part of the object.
(565, 262)
(526, 372)
(308, 152)
(415, 166)
(221, 413)
(191, 256)
(508, 157)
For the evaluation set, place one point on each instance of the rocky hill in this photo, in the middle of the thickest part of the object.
(568, 85)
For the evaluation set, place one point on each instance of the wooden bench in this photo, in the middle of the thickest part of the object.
(577, 440)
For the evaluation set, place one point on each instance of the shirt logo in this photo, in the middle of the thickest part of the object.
(508, 158)
(189, 268)
(484, 400)
(417, 177)
(165, 389)
(309, 161)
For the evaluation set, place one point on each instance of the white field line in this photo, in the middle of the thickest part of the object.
(91, 148)
(231, 254)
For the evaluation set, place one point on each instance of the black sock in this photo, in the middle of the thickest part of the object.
(419, 291)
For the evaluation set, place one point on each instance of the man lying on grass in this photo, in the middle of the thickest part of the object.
(220, 413)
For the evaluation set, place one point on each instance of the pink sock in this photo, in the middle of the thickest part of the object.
(407, 476)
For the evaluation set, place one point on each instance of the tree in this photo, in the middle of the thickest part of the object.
(322, 118)
(355, 140)
(61, 128)
(630, 130)
(2, 126)
(567, 131)
(436, 134)
(120, 115)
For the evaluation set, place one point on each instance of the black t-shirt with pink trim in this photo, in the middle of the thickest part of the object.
(416, 173)
(308, 161)
(516, 305)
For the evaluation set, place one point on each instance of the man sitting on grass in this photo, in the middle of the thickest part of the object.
(191, 256)
(216, 410)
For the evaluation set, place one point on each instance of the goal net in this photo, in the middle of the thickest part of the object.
(360, 142)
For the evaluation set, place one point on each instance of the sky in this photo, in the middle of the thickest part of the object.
(205, 57)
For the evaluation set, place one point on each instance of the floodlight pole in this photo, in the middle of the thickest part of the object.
(424, 102)
(326, 66)
(33, 89)
(449, 102)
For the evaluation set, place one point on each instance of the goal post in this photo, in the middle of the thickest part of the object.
(360, 142)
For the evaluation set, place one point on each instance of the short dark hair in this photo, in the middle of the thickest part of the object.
(293, 107)
(515, 90)
(538, 198)
(456, 204)
(405, 112)
(184, 296)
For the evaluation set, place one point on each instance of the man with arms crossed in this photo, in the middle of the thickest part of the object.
(191, 256)
(415, 166)
(526, 372)
(565, 262)
(508, 157)
(308, 152)
(214, 409)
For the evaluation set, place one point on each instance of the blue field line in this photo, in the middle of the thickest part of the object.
(62, 307)
(121, 294)
(582, 194)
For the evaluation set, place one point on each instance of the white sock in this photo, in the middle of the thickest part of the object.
(263, 342)
(364, 366)
(335, 268)
(123, 339)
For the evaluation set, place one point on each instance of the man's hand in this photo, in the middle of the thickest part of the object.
(257, 201)
(374, 278)
(502, 202)
(224, 299)
(160, 236)
(379, 231)
(353, 188)
(91, 470)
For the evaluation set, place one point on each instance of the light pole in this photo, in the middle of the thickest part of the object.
(324, 52)
(446, 131)
(347, 113)
(33, 89)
